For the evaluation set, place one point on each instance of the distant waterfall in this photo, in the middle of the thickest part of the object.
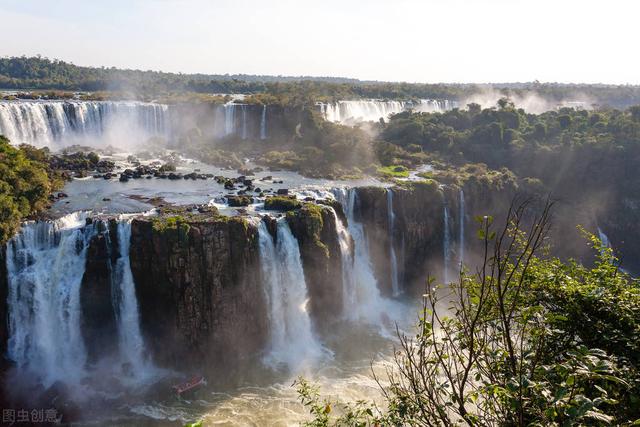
(363, 300)
(395, 287)
(126, 304)
(229, 118)
(263, 123)
(361, 110)
(244, 122)
(364, 110)
(446, 244)
(45, 263)
(462, 218)
(292, 338)
(50, 123)
(433, 105)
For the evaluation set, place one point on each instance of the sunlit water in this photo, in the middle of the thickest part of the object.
(268, 397)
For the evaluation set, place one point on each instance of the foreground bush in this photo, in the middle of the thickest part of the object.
(524, 341)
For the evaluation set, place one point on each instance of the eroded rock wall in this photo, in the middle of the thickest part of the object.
(200, 298)
(315, 229)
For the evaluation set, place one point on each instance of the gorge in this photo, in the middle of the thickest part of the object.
(247, 277)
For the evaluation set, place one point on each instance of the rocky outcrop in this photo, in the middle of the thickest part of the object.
(198, 287)
(315, 229)
(98, 317)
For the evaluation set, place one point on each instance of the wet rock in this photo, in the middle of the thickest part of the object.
(282, 191)
(98, 322)
(315, 229)
(238, 201)
(199, 292)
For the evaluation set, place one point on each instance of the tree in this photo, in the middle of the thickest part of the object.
(497, 355)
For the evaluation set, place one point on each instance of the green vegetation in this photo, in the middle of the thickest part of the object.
(282, 203)
(54, 76)
(394, 171)
(307, 223)
(25, 185)
(525, 340)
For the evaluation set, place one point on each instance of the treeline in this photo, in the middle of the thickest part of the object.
(564, 148)
(38, 73)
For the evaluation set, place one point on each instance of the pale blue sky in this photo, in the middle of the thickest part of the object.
(405, 40)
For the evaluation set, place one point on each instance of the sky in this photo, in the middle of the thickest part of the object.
(480, 41)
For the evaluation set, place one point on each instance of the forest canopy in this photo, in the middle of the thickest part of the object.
(38, 73)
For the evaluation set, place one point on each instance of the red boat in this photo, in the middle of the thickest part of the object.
(191, 385)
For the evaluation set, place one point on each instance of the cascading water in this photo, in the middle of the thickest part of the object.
(363, 299)
(49, 123)
(125, 304)
(373, 110)
(229, 118)
(292, 340)
(446, 244)
(395, 286)
(461, 236)
(244, 122)
(45, 264)
(263, 123)
(603, 238)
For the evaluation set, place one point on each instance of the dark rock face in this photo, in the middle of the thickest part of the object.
(417, 233)
(371, 210)
(98, 317)
(4, 312)
(315, 229)
(199, 292)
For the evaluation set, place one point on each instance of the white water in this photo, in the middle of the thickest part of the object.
(263, 123)
(46, 262)
(59, 123)
(229, 118)
(603, 238)
(364, 301)
(395, 286)
(446, 244)
(373, 110)
(244, 122)
(462, 220)
(125, 305)
(292, 341)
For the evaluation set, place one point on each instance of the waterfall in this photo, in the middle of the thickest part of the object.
(346, 255)
(373, 110)
(263, 123)
(45, 264)
(603, 238)
(53, 123)
(446, 244)
(229, 118)
(395, 288)
(363, 300)
(244, 122)
(292, 338)
(462, 221)
(126, 304)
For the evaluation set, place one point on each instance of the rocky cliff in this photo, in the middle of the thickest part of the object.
(200, 297)
(314, 227)
(98, 317)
